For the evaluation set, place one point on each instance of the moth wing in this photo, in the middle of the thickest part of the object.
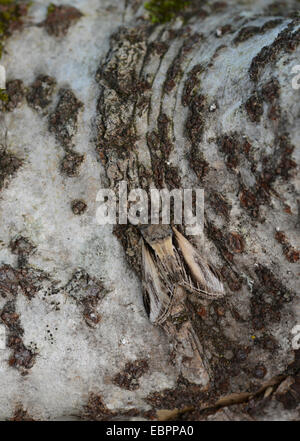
(157, 292)
(188, 352)
(201, 277)
(193, 368)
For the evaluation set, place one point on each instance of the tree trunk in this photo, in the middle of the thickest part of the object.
(101, 95)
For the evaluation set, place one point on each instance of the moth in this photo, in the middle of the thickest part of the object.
(173, 269)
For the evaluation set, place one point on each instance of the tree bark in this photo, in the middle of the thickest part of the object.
(103, 95)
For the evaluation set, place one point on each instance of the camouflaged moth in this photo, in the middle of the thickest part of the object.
(172, 269)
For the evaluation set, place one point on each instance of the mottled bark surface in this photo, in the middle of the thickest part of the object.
(97, 94)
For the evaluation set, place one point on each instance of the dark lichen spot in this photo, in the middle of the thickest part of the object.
(291, 254)
(218, 6)
(23, 248)
(172, 177)
(220, 239)
(219, 203)
(246, 33)
(60, 18)
(259, 371)
(232, 279)
(24, 280)
(11, 18)
(192, 84)
(129, 237)
(271, 90)
(266, 342)
(233, 147)
(185, 394)
(241, 354)
(194, 127)
(8, 281)
(254, 107)
(198, 163)
(78, 206)
(9, 164)
(249, 31)
(285, 164)
(195, 121)
(222, 30)
(286, 41)
(22, 358)
(160, 147)
(249, 201)
(202, 312)
(87, 291)
(96, 410)
(71, 163)
(175, 71)
(235, 242)
(268, 296)
(175, 33)
(21, 414)
(40, 92)
(129, 377)
(282, 9)
(158, 47)
(274, 112)
(15, 93)
(63, 121)
(278, 164)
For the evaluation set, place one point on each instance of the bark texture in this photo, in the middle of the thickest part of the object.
(97, 94)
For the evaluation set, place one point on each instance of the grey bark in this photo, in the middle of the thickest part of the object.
(206, 101)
